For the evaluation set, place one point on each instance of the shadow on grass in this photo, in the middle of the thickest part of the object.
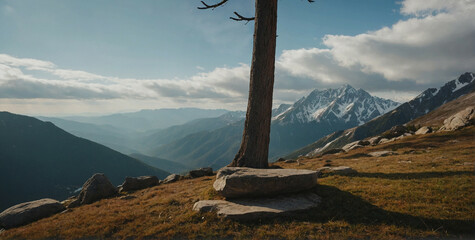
(340, 205)
(415, 175)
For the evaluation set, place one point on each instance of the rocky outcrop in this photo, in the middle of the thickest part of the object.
(95, 188)
(28, 212)
(232, 182)
(137, 183)
(207, 171)
(423, 130)
(172, 178)
(256, 208)
(375, 140)
(459, 120)
(355, 145)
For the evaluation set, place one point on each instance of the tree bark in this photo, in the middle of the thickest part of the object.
(254, 148)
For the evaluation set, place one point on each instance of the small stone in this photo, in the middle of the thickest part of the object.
(341, 170)
(234, 182)
(382, 153)
(258, 208)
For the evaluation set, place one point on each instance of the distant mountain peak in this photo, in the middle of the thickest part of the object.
(344, 104)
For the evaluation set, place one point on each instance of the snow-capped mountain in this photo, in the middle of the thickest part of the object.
(345, 104)
(425, 102)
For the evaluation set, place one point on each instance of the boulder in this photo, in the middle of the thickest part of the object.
(172, 178)
(382, 153)
(95, 188)
(375, 140)
(28, 212)
(257, 208)
(207, 171)
(234, 182)
(355, 145)
(137, 183)
(423, 130)
(459, 120)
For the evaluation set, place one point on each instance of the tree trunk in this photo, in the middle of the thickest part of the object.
(254, 148)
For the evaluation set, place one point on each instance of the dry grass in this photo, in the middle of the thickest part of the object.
(427, 191)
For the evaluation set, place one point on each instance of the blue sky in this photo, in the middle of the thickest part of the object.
(61, 57)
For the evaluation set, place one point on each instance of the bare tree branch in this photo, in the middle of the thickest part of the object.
(241, 18)
(206, 6)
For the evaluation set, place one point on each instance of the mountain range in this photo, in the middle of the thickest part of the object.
(293, 126)
(424, 103)
(38, 160)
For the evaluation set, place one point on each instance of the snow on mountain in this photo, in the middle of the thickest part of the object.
(345, 104)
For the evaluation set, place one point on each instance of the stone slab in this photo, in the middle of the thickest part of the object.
(257, 208)
(232, 182)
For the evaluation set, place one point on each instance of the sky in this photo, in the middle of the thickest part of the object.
(72, 57)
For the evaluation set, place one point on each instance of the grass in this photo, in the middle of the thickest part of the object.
(426, 191)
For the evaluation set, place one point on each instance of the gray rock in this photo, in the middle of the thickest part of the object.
(207, 171)
(172, 178)
(375, 140)
(234, 182)
(382, 153)
(355, 145)
(459, 120)
(257, 208)
(137, 183)
(385, 140)
(423, 130)
(95, 188)
(341, 170)
(28, 212)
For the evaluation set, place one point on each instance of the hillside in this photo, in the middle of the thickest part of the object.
(427, 101)
(164, 136)
(424, 192)
(38, 159)
(436, 118)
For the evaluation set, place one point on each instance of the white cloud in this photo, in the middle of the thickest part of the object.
(434, 45)
(15, 83)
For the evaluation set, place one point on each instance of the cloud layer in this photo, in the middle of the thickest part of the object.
(433, 44)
